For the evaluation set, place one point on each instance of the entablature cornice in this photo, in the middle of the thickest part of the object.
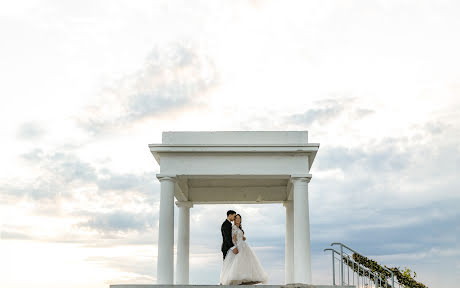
(310, 147)
(166, 149)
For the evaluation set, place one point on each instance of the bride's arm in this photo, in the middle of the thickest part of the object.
(234, 232)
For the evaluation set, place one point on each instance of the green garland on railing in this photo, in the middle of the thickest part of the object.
(404, 278)
(380, 276)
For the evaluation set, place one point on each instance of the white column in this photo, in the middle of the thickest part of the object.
(289, 244)
(165, 264)
(302, 259)
(183, 243)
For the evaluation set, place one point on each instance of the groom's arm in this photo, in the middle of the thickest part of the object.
(227, 232)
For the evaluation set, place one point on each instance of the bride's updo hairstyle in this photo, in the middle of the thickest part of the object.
(241, 221)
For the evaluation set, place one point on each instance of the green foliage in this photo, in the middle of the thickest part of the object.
(377, 271)
(407, 272)
(404, 276)
(406, 279)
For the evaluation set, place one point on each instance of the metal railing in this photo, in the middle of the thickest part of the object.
(363, 275)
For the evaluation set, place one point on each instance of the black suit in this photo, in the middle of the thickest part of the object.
(226, 230)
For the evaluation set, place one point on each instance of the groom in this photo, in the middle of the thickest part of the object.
(226, 230)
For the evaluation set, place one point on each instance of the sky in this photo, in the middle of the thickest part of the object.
(87, 85)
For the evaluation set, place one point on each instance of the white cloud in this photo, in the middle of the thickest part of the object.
(172, 80)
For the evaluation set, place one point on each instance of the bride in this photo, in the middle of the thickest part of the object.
(244, 267)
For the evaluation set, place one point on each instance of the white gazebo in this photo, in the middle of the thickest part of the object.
(233, 167)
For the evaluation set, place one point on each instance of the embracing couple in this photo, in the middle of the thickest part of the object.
(241, 265)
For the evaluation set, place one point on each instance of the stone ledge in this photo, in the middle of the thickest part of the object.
(220, 286)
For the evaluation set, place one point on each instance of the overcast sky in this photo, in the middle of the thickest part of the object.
(87, 85)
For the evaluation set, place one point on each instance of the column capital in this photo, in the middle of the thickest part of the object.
(187, 204)
(300, 178)
(287, 203)
(163, 177)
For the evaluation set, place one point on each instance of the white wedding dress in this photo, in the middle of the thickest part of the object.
(242, 267)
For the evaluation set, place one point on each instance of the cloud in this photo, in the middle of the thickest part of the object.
(388, 196)
(318, 115)
(436, 127)
(14, 235)
(57, 174)
(63, 183)
(327, 110)
(362, 112)
(383, 157)
(35, 155)
(386, 230)
(174, 78)
(111, 181)
(70, 168)
(30, 131)
(117, 221)
(61, 173)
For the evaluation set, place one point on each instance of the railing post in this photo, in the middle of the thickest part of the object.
(348, 272)
(341, 265)
(366, 278)
(333, 268)
(353, 272)
(357, 280)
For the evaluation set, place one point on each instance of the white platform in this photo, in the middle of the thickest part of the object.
(222, 286)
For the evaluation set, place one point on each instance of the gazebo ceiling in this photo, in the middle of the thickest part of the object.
(233, 189)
